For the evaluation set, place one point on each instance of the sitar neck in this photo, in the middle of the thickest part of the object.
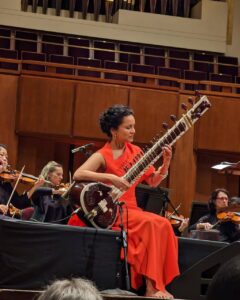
(172, 135)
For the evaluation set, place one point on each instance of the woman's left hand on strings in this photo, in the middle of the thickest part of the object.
(167, 156)
(167, 153)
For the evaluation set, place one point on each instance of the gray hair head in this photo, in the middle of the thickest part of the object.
(71, 289)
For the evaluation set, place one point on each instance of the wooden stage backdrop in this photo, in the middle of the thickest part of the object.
(42, 118)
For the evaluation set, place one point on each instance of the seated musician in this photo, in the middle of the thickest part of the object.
(228, 230)
(152, 245)
(48, 203)
(182, 229)
(178, 222)
(6, 187)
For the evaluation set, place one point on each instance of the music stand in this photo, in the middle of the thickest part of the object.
(151, 199)
(228, 168)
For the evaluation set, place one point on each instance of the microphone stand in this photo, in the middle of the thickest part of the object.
(124, 244)
(167, 201)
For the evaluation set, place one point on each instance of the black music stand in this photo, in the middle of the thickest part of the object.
(151, 199)
(226, 167)
(229, 168)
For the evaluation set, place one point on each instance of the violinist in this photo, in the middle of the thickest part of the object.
(228, 230)
(180, 230)
(47, 200)
(6, 187)
(178, 222)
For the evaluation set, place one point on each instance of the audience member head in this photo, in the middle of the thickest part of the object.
(53, 172)
(219, 199)
(71, 289)
(225, 283)
(113, 117)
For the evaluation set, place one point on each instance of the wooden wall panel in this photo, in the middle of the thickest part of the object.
(45, 106)
(152, 108)
(183, 168)
(8, 98)
(219, 129)
(68, 108)
(91, 100)
(35, 153)
(208, 179)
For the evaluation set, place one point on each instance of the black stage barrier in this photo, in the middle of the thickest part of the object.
(19, 294)
(199, 260)
(34, 254)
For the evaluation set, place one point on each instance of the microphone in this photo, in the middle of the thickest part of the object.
(82, 148)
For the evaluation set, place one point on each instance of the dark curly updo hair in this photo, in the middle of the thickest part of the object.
(113, 117)
(212, 200)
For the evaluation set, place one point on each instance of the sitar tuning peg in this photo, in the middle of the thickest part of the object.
(165, 126)
(184, 106)
(190, 100)
(173, 118)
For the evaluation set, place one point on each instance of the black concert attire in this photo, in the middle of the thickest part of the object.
(18, 201)
(229, 232)
(49, 207)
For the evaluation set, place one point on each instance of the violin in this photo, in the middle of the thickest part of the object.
(229, 216)
(174, 220)
(62, 187)
(14, 212)
(67, 187)
(26, 181)
(11, 176)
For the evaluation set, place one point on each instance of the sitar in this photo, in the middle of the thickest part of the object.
(98, 202)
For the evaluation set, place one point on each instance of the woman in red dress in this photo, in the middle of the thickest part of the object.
(152, 245)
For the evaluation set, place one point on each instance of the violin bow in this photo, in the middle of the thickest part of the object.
(68, 190)
(215, 224)
(15, 186)
(70, 186)
(176, 210)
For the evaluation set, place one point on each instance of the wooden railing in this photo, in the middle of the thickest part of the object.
(149, 80)
(117, 52)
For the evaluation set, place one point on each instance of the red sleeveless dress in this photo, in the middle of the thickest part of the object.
(152, 245)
